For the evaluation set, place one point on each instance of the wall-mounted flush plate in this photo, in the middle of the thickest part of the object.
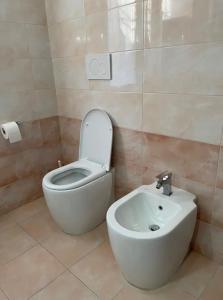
(98, 66)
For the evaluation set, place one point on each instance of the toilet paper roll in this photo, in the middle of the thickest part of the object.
(11, 132)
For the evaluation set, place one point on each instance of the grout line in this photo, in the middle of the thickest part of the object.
(119, 292)
(83, 257)
(66, 267)
(47, 284)
(83, 283)
(3, 292)
(209, 282)
(137, 92)
(139, 49)
(14, 258)
(23, 23)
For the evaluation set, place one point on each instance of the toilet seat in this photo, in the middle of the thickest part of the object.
(73, 175)
(94, 154)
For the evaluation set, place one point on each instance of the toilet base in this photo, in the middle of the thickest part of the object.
(80, 210)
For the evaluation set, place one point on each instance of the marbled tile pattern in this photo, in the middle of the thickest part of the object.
(27, 90)
(39, 261)
(23, 165)
(167, 54)
(27, 94)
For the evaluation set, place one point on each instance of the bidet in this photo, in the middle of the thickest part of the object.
(150, 233)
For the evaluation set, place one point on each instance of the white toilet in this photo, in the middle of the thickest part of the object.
(79, 194)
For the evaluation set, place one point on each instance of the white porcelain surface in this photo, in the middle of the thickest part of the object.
(79, 194)
(73, 175)
(149, 258)
(81, 209)
(96, 138)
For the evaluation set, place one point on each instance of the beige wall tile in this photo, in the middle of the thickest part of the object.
(42, 73)
(182, 22)
(45, 104)
(209, 241)
(127, 75)
(70, 73)
(125, 27)
(68, 38)
(13, 42)
(16, 105)
(97, 32)
(25, 189)
(16, 74)
(219, 180)
(116, 3)
(24, 37)
(204, 196)
(192, 117)
(118, 29)
(61, 10)
(69, 153)
(217, 212)
(127, 160)
(23, 11)
(50, 131)
(95, 6)
(192, 160)
(76, 104)
(191, 69)
(39, 46)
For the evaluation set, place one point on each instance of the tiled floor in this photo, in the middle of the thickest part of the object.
(39, 262)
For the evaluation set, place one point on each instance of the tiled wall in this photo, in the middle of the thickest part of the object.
(27, 94)
(165, 97)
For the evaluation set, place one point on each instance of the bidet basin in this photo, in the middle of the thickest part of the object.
(150, 233)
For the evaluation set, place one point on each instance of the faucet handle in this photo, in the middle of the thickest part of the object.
(164, 175)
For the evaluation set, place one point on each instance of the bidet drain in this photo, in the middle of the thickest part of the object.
(154, 227)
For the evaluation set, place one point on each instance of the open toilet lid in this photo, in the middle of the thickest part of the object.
(96, 138)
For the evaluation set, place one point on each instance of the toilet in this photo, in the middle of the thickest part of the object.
(79, 194)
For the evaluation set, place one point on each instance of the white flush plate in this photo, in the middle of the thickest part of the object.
(98, 66)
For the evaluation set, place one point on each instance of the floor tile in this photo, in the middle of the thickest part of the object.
(169, 292)
(69, 249)
(6, 221)
(99, 272)
(28, 210)
(65, 287)
(2, 296)
(13, 242)
(214, 290)
(40, 226)
(28, 273)
(195, 274)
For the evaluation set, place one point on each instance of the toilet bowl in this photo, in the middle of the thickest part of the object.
(79, 194)
(150, 234)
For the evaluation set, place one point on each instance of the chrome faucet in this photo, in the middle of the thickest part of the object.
(165, 181)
